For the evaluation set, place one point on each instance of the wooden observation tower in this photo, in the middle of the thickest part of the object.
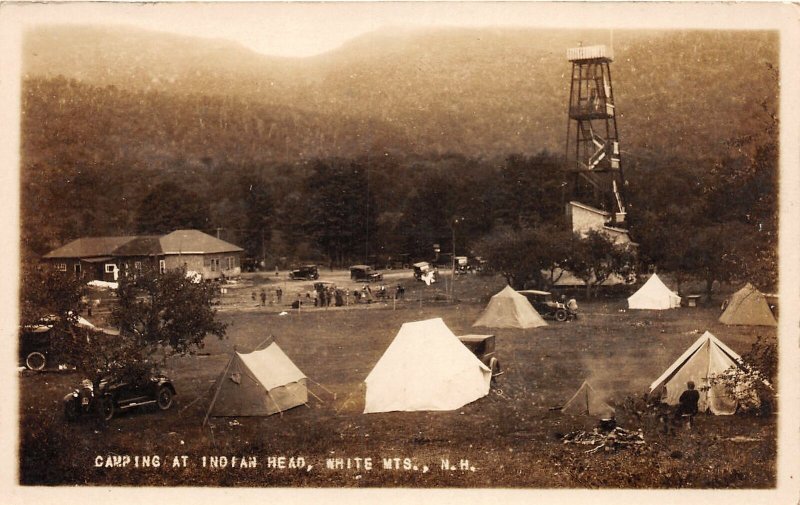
(592, 150)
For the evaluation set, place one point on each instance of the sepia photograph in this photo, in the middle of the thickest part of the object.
(404, 247)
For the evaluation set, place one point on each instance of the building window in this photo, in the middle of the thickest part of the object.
(110, 267)
(61, 267)
(137, 265)
(230, 263)
(77, 268)
(214, 264)
(162, 266)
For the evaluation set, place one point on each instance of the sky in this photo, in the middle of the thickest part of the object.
(299, 29)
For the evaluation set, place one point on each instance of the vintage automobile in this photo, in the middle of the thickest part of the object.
(305, 272)
(364, 273)
(35, 349)
(119, 392)
(38, 341)
(483, 347)
(421, 268)
(548, 308)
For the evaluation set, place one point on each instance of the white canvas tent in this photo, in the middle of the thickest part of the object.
(259, 383)
(654, 295)
(748, 307)
(586, 401)
(706, 357)
(425, 367)
(509, 309)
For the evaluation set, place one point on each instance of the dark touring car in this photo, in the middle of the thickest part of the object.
(118, 392)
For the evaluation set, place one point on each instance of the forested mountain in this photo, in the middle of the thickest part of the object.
(376, 147)
(479, 92)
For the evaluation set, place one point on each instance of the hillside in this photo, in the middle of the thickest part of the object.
(479, 92)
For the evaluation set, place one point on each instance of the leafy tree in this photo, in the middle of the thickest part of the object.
(159, 315)
(259, 214)
(168, 207)
(595, 258)
(166, 312)
(523, 257)
(46, 292)
(341, 210)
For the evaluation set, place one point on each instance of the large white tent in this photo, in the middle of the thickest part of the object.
(259, 383)
(704, 359)
(654, 295)
(425, 367)
(509, 309)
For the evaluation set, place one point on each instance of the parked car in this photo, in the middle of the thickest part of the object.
(462, 265)
(305, 272)
(35, 349)
(421, 268)
(119, 392)
(38, 341)
(364, 273)
(483, 347)
(547, 307)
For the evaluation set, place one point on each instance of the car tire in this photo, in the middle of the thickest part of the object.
(164, 398)
(561, 315)
(107, 408)
(36, 361)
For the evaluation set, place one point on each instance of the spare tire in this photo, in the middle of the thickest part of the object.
(36, 361)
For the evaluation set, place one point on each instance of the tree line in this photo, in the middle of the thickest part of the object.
(91, 174)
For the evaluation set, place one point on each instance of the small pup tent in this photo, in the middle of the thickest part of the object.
(425, 367)
(509, 309)
(587, 401)
(748, 307)
(707, 357)
(654, 295)
(259, 383)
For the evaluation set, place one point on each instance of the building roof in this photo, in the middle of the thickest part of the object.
(146, 245)
(194, 242)
(590, 208)
(88, 247)
(177, 242)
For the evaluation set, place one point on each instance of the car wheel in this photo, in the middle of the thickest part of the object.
(35, 361)
(561, 315)
(164, 398)
(107, 408)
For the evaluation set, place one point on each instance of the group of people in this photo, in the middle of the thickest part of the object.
(263, 296)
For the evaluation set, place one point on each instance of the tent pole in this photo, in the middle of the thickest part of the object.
(216, 393)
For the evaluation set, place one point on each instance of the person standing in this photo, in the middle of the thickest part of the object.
(263, 298)
(279, 294)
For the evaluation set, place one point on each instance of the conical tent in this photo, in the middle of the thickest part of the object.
(425, 367)
(654, 295)
(748, 307)
(587, 401)
(705, 358)
(260, 383)
(509, 309)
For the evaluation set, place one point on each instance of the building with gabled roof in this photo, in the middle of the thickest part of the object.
(106, 258)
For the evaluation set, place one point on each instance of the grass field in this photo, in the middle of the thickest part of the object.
(509, 438)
